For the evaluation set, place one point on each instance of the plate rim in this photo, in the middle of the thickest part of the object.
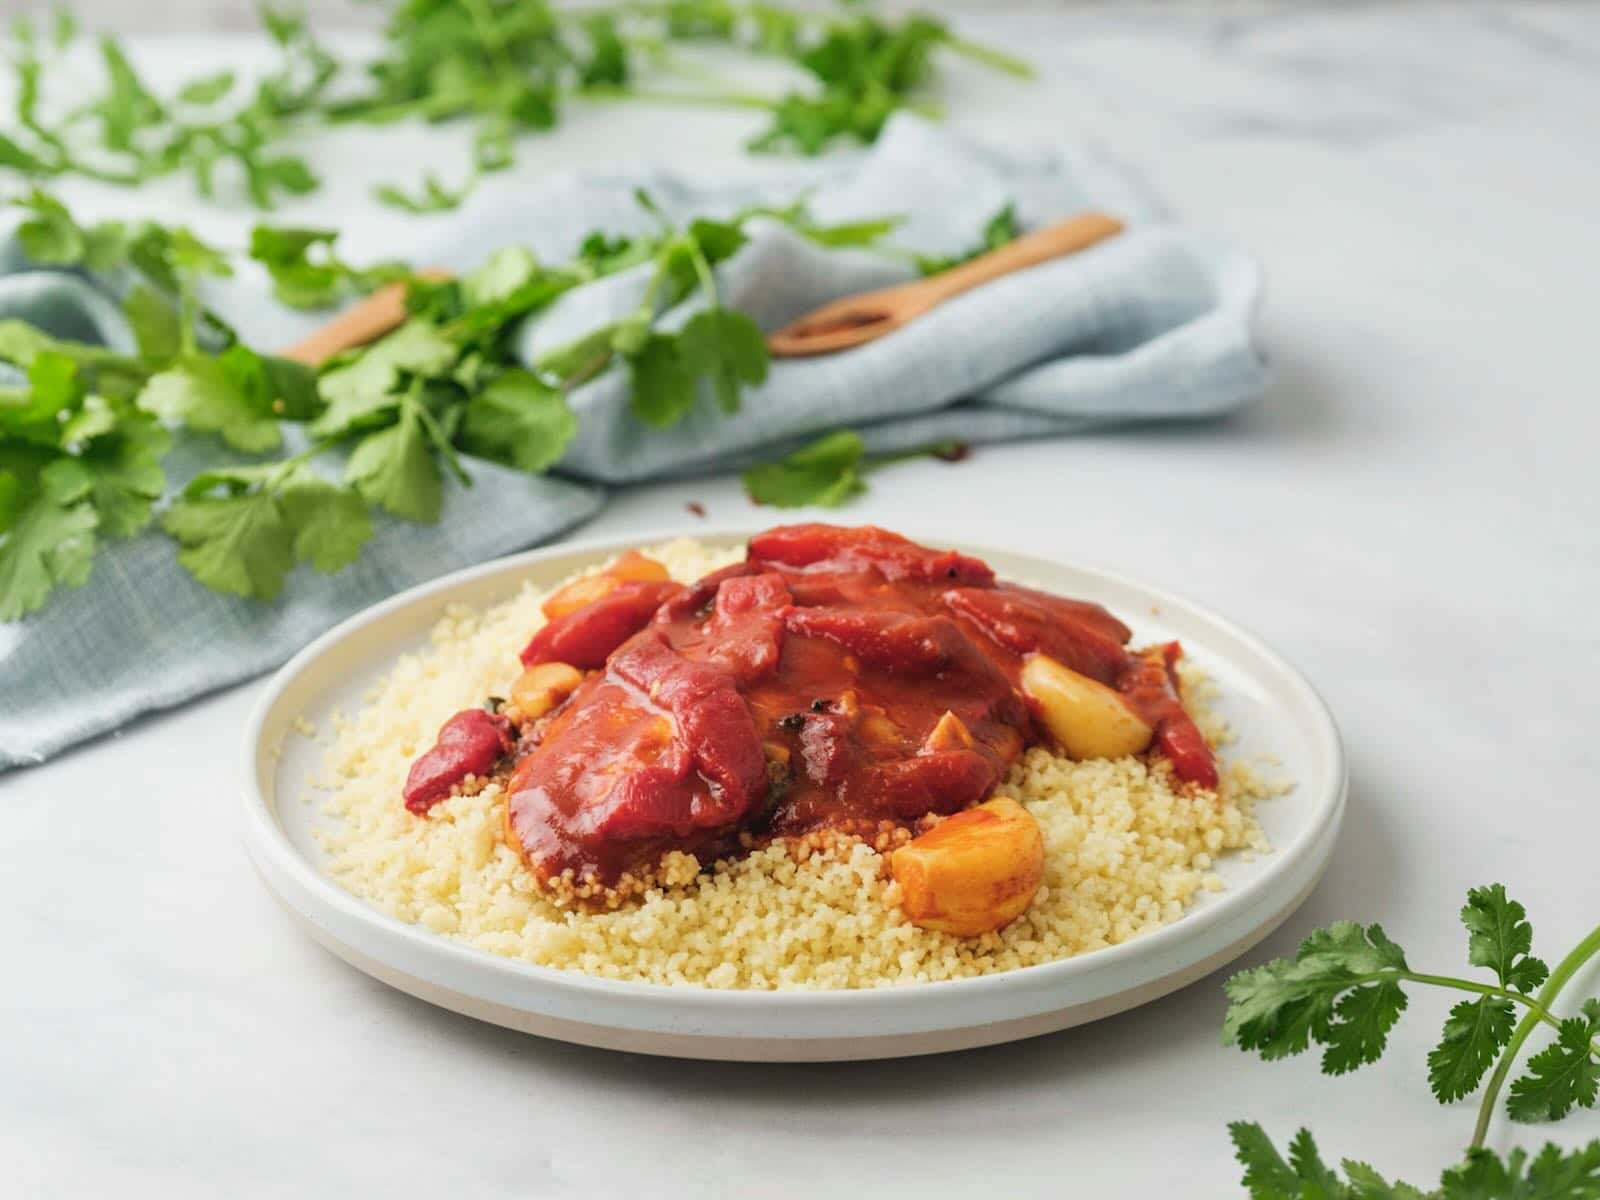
(273, 851)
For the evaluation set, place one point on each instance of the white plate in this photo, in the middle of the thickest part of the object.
(1270, 705)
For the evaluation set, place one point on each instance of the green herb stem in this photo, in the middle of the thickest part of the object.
(990, 57)
(693, 99)
(1537, 1011)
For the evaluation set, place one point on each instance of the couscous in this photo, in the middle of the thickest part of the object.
(1053, 856)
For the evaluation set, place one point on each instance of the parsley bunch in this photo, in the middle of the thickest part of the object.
(1344, 991)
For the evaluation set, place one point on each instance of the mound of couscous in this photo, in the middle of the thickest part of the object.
(1126, 851)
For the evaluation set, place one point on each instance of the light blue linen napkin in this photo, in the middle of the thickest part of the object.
(1154, 324)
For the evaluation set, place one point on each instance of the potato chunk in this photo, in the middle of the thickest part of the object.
(632, 567)
(540, 688)
(1087, 719)
(975, 872)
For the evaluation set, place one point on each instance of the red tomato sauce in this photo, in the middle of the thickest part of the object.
(837, 678)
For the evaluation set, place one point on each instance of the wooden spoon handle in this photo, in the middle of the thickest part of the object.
(1029, 250)
(367, 321)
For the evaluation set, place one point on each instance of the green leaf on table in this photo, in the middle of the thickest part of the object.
(999, 230)
(436, 196)
(1360, 1029)
(38, 412)
(500, 276)
(234, 543)
(365, 387)
(851, 233)
(728, 347)
(1562, 1076)
(13, 157)
(1552, 1174)
(208, 89)
(718, 240)
(50, 538)
(154, 318)
(520, 421)
(330, 524)
(1499, 937)
(296, 280)
(1280, 1007)
(49, 236)
(663, 383)
(394, 468)
(607, 63)
(205, 395)
(125, 472)
(1474, 1032)
(826, 473)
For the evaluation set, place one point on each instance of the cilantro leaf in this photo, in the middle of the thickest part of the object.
(1280, 1007)
(1564, 1075)
(205, 395)
(242, 529)
(395, 469)
(435, 197)
(155, 323)
(50, 541)
(1266, 1174)
(125, 472)
(364, 387)
(50, 236)
(235, 543)
(1499, 937)
(1473, 1033)
(727, 346)
(330, 524)
(1360, 1029)
(519, 421)
(999, 230)
(208, 89)
(663, 382)
(1552, 1174)
(827, 473)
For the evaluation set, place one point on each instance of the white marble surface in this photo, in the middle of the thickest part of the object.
(1409, 515)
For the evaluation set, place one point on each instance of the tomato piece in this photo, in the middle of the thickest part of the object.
(942, 782)
(1077, 634)
(1150, 684)
(746, 626)
(711, 719)
(586, 637)
(469, 743)
(816, 547)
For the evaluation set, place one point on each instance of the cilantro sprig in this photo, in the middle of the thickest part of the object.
(510, 66)
(83, 436)
(829, 471)
(1346, 988)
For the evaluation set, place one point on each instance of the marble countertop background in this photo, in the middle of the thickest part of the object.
(1409, 515)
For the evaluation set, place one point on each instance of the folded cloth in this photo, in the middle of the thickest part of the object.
(1153, 324)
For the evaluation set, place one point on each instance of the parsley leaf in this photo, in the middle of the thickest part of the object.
(1499, 937)
(1564, 1075)
(125, 475)
(1002, 228)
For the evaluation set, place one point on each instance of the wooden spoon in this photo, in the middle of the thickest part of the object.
(856, 320)
(852, 321)
(380, 313)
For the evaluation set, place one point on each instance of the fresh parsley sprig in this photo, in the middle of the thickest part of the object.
(1344, 991)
